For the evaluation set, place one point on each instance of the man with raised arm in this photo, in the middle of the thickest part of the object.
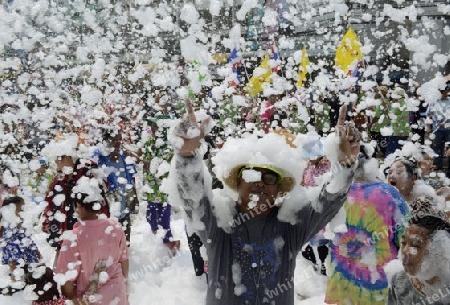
(254, 228)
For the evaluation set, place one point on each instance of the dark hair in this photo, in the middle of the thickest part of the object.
(108, 134)
(16, 200)
(5, 167)
(78, 198)
(447, 87)
(364, 152)
(410, 166)
(431, 223)
(42, 289)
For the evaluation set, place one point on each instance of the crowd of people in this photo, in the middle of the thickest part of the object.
(350, 179)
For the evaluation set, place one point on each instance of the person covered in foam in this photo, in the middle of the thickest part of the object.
(425, 278)
(254, 228)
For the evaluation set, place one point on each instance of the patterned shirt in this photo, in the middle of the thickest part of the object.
(376, 218)
(399, 119)
(158, 152)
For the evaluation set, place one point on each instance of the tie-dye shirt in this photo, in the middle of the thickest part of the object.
(376, 215)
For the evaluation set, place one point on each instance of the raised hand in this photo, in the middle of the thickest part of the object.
(349, 139)
(191, 133)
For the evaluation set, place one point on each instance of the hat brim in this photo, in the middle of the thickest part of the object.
(286, 185)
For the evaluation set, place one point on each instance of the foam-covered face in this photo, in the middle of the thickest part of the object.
(426, 164)
(414, 248)
(399, 177)
(256, 192)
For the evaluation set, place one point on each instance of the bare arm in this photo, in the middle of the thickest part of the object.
(125, 268)
(68, 289)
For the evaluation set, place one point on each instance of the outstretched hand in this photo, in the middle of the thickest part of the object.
(191, 132)
(447, 153)
(349, 139)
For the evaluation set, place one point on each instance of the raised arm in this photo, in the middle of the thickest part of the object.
(191, 181)
(348, 138)
(315, 216)
(190, 132)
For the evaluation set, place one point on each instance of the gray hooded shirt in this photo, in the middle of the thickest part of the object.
(254, 262)
(403, 292)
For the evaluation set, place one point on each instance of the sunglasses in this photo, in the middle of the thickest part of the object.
(269, 178)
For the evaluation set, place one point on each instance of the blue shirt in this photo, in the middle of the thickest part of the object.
(117, 174)
(440, 113)
(18, 245)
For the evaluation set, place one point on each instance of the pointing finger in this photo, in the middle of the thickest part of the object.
(190, 111)
(203, 125)
(342, 115)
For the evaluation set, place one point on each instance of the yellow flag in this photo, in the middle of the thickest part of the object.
(303, 70)
(260, 75)
(348, 51)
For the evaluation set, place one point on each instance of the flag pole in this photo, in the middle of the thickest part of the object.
(245, 68)
(248, 78)
(281, 66)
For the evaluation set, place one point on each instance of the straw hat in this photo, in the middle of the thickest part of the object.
(270, 152)
(287, 181)
(384, 90)
(398, 93)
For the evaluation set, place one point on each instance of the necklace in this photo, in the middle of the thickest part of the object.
(418, 285)
(256, 256)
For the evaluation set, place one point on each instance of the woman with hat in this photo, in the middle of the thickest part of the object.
(254, 228)
(425, 258)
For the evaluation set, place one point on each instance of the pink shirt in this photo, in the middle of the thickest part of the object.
(266, 111)
(90, 241)
(312, 171)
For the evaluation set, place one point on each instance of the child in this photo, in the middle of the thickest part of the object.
(18, 248)
(43, 289)
(93, 238)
